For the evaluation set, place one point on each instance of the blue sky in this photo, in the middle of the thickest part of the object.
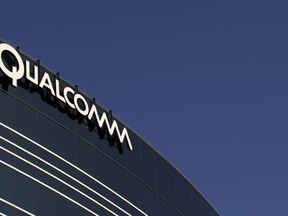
(205, 82)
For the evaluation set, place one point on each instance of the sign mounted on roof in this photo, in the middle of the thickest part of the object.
(67, 95)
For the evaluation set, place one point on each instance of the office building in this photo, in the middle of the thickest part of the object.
(61, 153)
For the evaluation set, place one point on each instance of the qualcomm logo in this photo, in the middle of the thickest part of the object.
(73, 99)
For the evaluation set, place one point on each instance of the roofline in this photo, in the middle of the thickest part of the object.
(125, 125)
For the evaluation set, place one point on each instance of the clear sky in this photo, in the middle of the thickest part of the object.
(204, 82)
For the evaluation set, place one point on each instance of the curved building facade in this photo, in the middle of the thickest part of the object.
(63, 154)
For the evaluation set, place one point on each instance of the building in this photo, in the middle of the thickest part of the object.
(63, 154)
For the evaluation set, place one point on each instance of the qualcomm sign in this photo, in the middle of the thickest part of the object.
(77, 102)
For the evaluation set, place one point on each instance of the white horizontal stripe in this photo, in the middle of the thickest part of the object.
(64, 173)
(15, 206)
(74, 166)
(58, 179)
(49, 187)
(1, 214)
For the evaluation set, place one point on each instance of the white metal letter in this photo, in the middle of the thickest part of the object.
(86, 108)
(111, 129)
(14, 74)
(60, 97)
(46, 81)
(36, 73)
(65, 92)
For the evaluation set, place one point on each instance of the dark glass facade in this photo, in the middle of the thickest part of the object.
(55, 162)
